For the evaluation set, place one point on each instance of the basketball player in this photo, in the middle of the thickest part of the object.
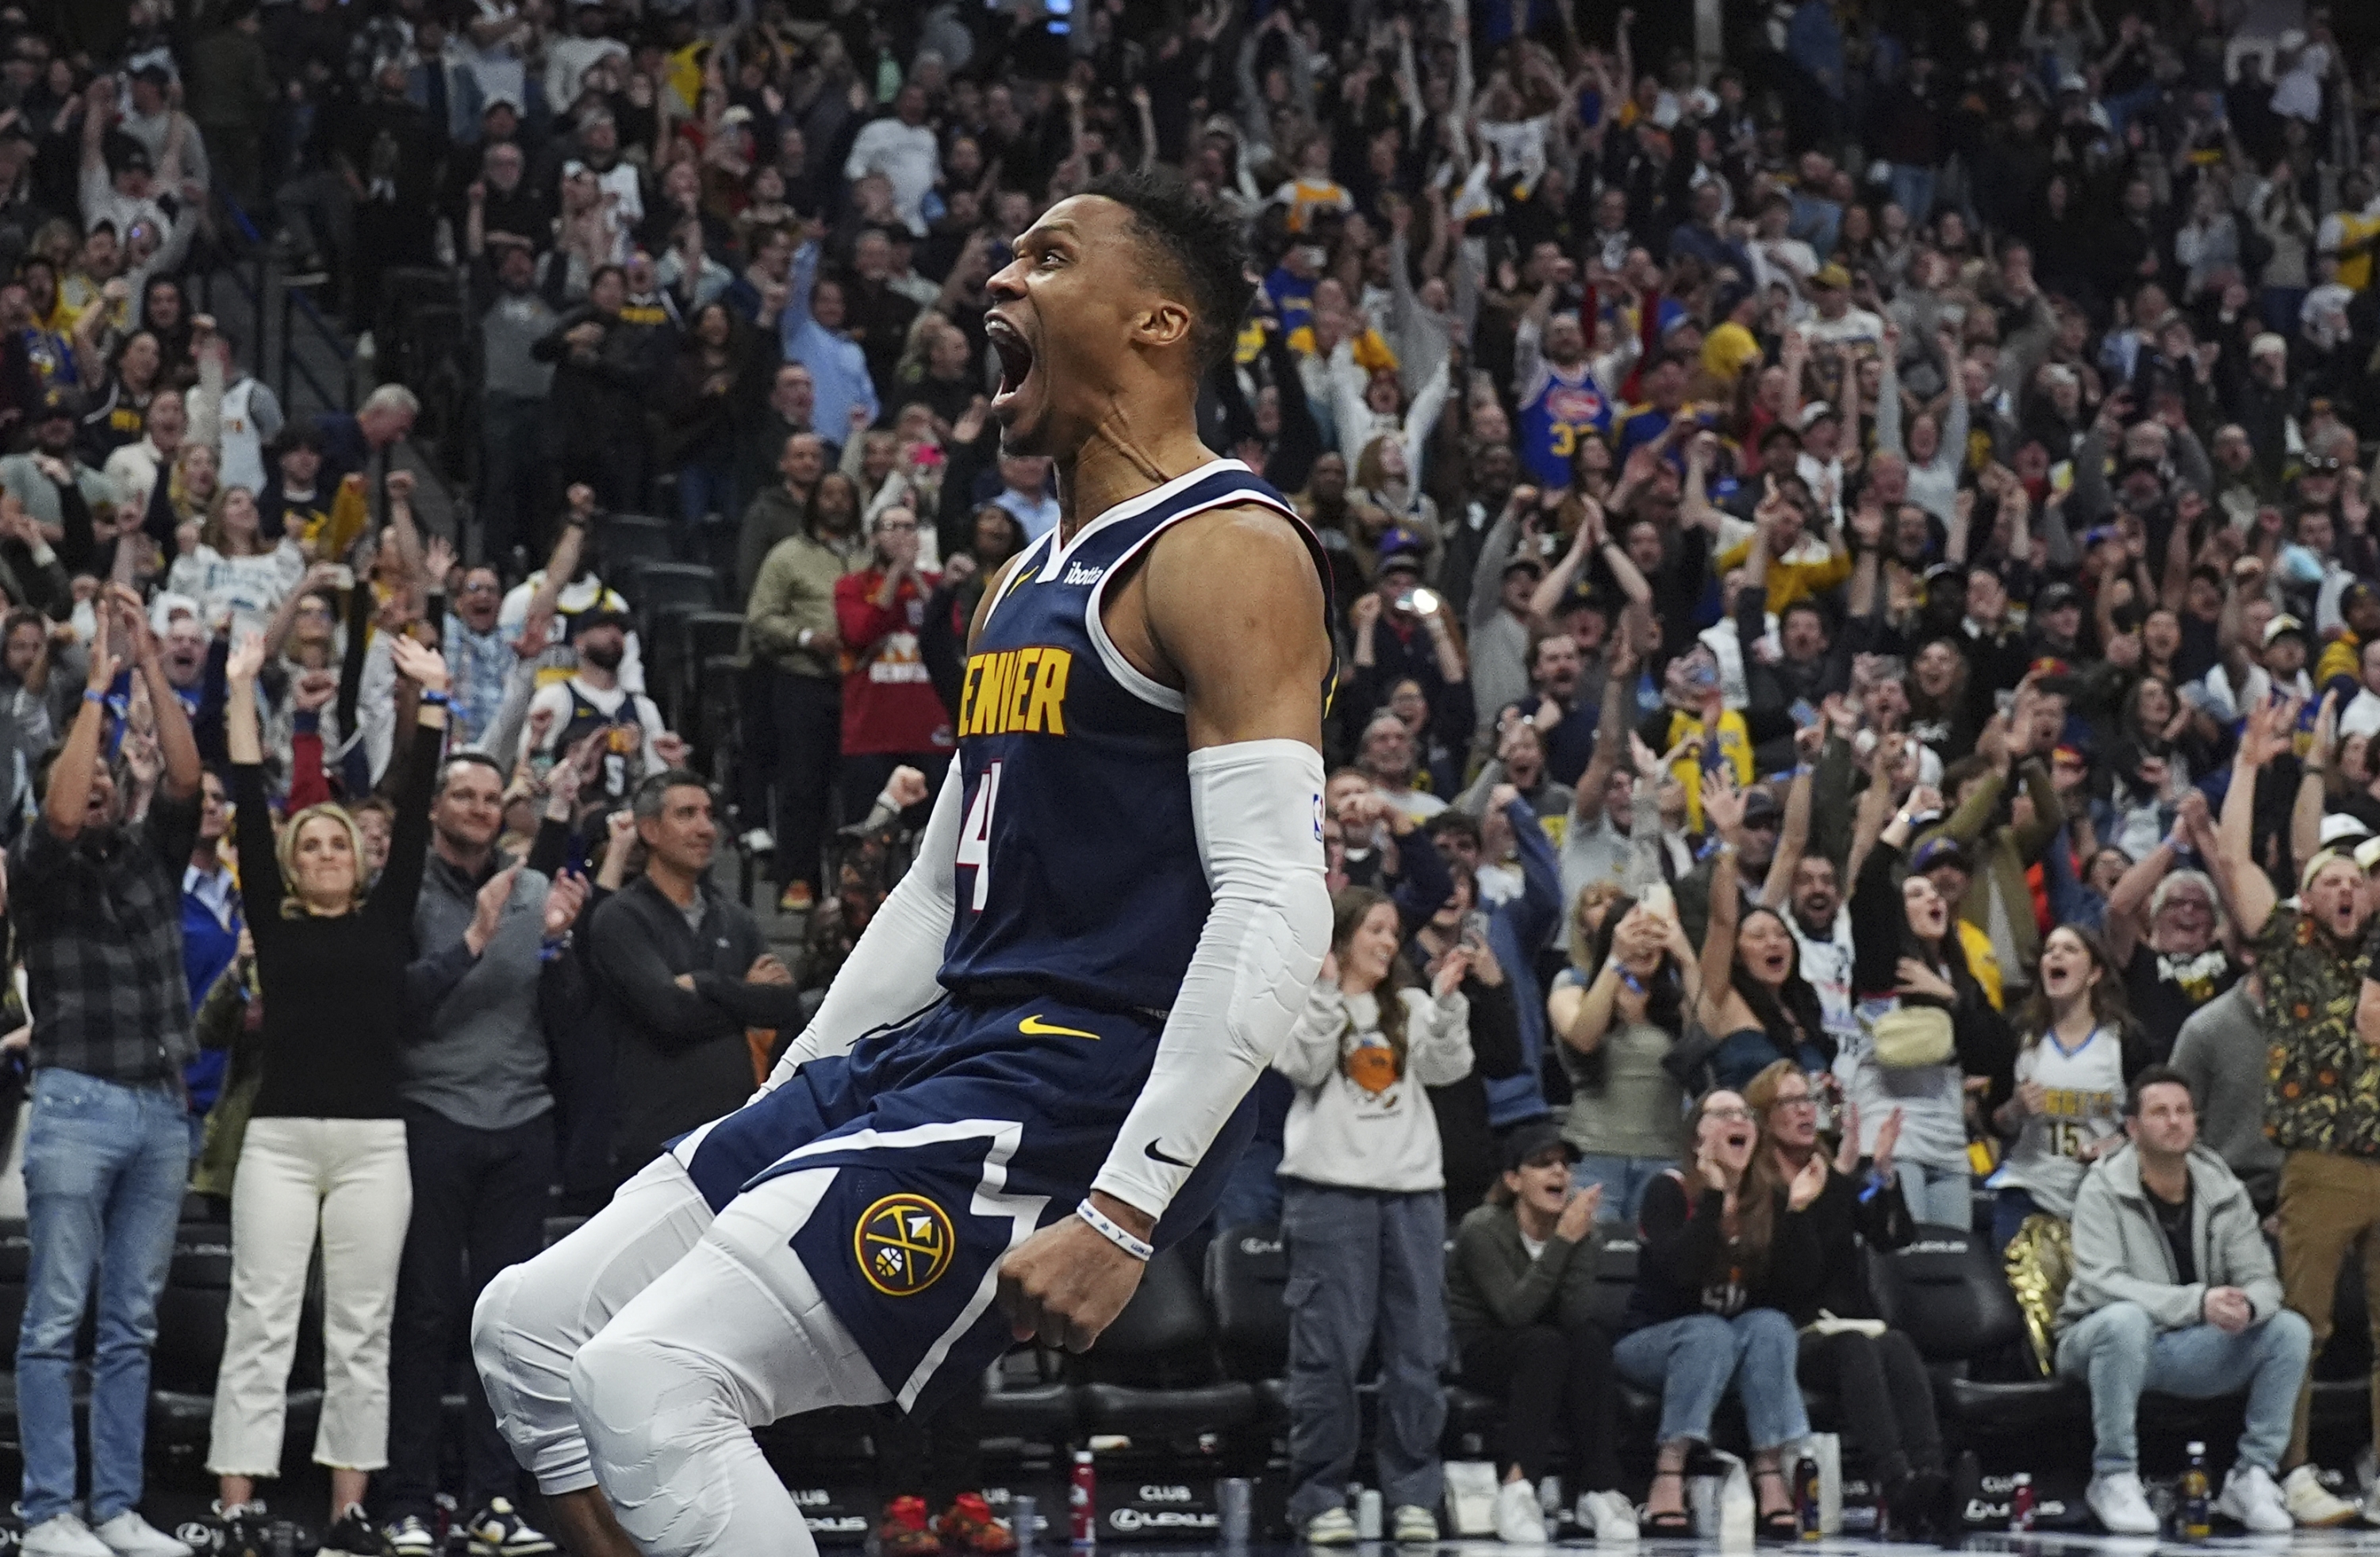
(1033, 1070)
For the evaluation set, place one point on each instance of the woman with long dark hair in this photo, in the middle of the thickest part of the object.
(1754, 1000)
(1618, 1009)
(712, 378)
(1364, 1217)
(1925, 1024)
(2076, 1054)
(1725, 1257)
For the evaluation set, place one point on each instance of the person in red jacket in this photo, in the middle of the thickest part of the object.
(892, 715)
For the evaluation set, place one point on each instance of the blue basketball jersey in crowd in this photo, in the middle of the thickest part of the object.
(1078, 871)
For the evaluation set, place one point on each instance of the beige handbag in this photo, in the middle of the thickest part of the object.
(1910, 1036)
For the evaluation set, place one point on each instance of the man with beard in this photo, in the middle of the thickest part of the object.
(1565, 716)
(592, 700)
(790, 621)
(97, 904)
(2322, 1071)
(34, 477)
(1822, 929)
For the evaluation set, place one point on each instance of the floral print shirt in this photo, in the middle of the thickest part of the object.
(2322, 1082)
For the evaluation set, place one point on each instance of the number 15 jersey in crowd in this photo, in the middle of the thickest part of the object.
(1078, 872)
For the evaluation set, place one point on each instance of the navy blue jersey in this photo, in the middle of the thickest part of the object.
(1078, 869)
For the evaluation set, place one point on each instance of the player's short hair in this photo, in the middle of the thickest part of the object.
(1199, 243)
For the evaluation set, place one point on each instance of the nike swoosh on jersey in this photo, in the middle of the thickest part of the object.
(1165, 1157)
(1034, 1027)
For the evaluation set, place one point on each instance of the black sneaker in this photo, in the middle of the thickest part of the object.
(355, 1536)
(410, 1537)
(498, 1531)
(244, 1530)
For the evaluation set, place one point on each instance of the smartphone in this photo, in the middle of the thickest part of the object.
(343, 576)
(1804, 715)
(1658, 899)
(1475, 930)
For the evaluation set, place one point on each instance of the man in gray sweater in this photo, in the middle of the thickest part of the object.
(2174, 1289)
(478, 1118)
(2221, 1054)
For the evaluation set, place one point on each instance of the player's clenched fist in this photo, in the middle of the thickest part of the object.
(1068, 1282)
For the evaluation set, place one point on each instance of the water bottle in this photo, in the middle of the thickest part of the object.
(1805, 1497)
(2197, 1514)
(1082, 1501)
(1024, 1512)
(1367, 1514)
(1234, 1495)
(2021, 1503)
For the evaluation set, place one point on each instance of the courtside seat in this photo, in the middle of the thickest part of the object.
(1155, 1372)
(1028, 1399)
(1637, 1415)
(191, 1310)
(1945, 1290)
(1248, 1275)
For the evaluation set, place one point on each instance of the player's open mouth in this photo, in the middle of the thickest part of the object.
(1015, 357)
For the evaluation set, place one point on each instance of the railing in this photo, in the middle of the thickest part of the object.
(257, 279)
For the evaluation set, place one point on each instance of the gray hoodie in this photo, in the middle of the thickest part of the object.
(2120, 1255)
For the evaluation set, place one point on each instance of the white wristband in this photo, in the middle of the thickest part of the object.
(1106, 1227)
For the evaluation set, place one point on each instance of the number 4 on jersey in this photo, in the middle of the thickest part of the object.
(975, 836)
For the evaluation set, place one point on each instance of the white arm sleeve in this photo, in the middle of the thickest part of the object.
(1257, 807)
(891, 972)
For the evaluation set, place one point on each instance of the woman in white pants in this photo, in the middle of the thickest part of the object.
(324, 1146)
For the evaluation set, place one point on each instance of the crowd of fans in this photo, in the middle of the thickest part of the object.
(1856, 590)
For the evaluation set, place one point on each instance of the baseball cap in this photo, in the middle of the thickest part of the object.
(1532, 1139)
(2054, 595)
(2367, 854)
(2282, 624)
(1832, 274)
(2339, 825)
(1759, 805)
(601, 617)
(1815, 413)
(55, 402)
(1941, 851)
(1400, 547)
(1523, 560)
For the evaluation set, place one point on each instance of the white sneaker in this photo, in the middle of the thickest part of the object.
(2119, 1503)
(1412, 1525)
(129, 1535)
(2251, 1496)
(63, 1536)
(1519, 1520)
(1610, 1515)
(1332, 1527)
(2311, 1503)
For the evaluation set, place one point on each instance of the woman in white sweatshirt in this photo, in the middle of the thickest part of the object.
(1364, 1217)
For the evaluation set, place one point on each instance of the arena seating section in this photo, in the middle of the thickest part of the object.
(1195, 1368)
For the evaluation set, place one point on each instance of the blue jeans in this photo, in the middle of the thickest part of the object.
(1913, 190)
(1691, 1361)
(1623, 1180)
(2119, 1352)
(1937, 1193)
(706, 490)
(104, 1166)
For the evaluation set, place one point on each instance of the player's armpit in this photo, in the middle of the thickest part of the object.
(1234, 610)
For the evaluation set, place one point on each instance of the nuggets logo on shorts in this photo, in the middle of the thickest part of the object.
(903, 1243)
